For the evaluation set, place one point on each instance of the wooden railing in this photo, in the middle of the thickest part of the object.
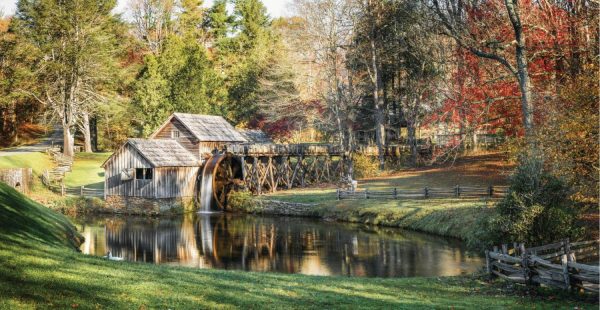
(427, 192)
(558, 264)
(53, 178)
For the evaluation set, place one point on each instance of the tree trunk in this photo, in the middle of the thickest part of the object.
(67, 140)
(412, 140)
(512, 7)
(85, 129)
(94, 132)
(377, 99)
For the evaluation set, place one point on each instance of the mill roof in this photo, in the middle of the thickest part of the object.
(206, 127)
(255, 135)
(161, 153)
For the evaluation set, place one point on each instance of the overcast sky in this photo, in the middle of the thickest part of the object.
(276, 7)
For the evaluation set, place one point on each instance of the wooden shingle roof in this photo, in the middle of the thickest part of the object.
(164, 153)
(209, 128)
(255, 136)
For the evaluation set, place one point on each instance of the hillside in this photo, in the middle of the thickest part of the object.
(40, 264)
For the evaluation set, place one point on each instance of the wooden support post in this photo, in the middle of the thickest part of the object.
(426, 192)
(565, 269)
(504, 249)
(567, 246)
(338, 194)
(488, 266)
(243, 161)
(62, 189)
(256, 176)
(525, 263)
(491, 191)
(457, 191)
(395, 193)
(366, 193)
(81, 191)
(271, 175)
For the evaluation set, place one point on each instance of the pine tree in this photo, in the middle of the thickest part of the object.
(76, 46)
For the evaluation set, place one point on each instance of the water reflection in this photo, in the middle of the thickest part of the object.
(291, 245)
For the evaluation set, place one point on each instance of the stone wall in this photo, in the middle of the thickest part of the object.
(243, 201)
(149, 206)
(18, 178)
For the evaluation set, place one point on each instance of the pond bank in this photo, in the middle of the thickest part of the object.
(457, 218)
(41, 268)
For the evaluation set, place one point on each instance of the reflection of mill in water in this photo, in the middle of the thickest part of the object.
(269, 244)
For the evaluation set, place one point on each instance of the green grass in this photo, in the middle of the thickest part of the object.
(38, 161)
(443, 216)
(41, 269)
(86, 170)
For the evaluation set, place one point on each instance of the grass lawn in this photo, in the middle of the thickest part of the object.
(87, 171)
(454, 217)
(41, 269)
(38, 161)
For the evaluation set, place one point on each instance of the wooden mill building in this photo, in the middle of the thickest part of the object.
(160, 173)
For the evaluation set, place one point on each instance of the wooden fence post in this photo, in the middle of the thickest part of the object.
(395, 193)
(62, 189)
(565, 266)
(457, 191)
(366, 193)
(426, 192)
(488, 267)
(338, 194)
(567, 246)
(81, 191)
(525, 263)
(491, 190)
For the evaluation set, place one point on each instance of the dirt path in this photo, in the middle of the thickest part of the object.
(54, 138)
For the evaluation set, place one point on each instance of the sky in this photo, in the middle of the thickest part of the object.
(276, 8)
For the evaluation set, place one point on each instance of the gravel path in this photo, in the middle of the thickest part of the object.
(54, 138)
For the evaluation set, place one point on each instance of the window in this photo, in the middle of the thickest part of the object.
(174, 133)
(148, 174)
(143, 173)
(139, 173)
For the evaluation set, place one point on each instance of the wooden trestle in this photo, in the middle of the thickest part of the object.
(272, 167)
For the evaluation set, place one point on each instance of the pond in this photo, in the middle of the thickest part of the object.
(278, 244)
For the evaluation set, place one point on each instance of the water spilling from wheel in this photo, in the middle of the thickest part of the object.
(278, 244)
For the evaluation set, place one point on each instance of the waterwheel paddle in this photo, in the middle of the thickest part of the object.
(221, 173)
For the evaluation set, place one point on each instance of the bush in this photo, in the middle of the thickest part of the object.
(537, 209)
(242, 200)
(365, 166)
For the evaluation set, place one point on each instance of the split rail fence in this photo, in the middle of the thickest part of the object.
(563, 264)
(427, 192)
(53, 178)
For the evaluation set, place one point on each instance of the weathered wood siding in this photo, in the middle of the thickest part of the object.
(206, 147)
(186, 139)
(166, 182)
(175, 181)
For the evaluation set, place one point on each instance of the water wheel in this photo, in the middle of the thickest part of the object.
(220, 175)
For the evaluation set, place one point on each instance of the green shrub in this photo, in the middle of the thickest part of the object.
(365, 166)
(536, 210)
(242, 200)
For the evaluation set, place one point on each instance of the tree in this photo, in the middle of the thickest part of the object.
(469, 22)
(152, 21)
(326, 39)
(18, 60)
(181, 78)
(74, 43)
(217, 22)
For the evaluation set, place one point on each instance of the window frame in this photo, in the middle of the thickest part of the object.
(175, 134)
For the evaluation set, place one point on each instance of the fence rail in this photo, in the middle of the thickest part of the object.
(75, 191)
(427, 192)
(558, 264)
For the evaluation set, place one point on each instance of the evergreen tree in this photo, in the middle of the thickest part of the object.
(217, 21)
(76, 48)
